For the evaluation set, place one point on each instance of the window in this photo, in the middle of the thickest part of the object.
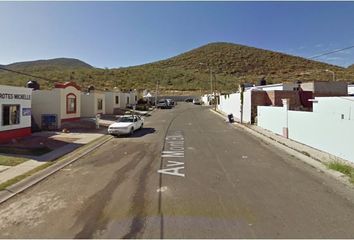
(99, 104)
(127, 100)
(70, 103)
(117, 99)
(10, 115)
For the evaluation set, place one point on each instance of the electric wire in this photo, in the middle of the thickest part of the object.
(331, 52)
(27, 74)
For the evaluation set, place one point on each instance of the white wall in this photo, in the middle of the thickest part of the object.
(231, 104)
(271, 118)
(247, 106)
(7, 97)
(323, 129)
(351, 89)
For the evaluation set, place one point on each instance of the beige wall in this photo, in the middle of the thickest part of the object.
(89, 104)
(45, 102)
(54, 102)
(110, 98)
(326, 88)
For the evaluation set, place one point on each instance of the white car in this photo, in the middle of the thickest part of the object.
(126, 124)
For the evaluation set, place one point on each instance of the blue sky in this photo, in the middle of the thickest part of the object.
(117, 34)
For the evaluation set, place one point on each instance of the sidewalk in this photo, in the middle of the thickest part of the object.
(23, 182)
(311, 156)
(302, 148)
(18, 170)
(8, 173)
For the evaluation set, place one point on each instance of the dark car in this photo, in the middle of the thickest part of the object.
(171, 102)
(188, 100)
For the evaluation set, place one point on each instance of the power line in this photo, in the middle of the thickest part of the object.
(327, 53)
(26, 74)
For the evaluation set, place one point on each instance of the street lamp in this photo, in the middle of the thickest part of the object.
(333, 73)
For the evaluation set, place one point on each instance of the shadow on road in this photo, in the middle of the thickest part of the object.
(139, 133)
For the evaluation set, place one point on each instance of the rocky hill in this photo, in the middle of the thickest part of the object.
(50, 64)
(230, 63)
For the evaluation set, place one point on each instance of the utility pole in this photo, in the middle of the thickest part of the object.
(211, 83)
(157, 88)
(242, 89)
(214, 91)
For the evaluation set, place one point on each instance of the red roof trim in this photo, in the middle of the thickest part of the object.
(67, 84)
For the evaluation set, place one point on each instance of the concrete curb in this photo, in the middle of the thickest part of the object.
(296, 153)
(30, 181)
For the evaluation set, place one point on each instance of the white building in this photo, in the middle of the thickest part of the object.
(114, 100)
(131, 97)
(15, 114)
(350, 89)
(207, 99)
(119, 100)
(286, 86)
(92, 103)
(53, 107)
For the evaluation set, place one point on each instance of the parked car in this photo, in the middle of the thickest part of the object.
(170, 102)
(126, 124)
(163, 104)
(188, 100)
(197, 101)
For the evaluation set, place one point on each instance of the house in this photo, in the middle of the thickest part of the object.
(298, 94)
(51, 108)
(93, 103)
(117, 100)
(326, 88)
(286, 86)
(15, 113)
(131, 97)
(231, 103)
(114, 100)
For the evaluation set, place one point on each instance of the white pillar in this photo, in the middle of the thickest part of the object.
(286, 103)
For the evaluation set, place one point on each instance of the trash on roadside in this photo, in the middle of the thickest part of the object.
(231, 118)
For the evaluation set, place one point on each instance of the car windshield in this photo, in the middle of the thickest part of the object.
(125, 119)
(162, 101)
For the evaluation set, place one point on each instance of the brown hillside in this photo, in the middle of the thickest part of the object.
(231, 63)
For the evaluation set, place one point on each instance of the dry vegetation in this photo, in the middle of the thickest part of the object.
(231, 63)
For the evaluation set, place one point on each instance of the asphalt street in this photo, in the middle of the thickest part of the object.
(187, 174)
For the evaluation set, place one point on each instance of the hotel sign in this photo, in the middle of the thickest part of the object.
(15, 96)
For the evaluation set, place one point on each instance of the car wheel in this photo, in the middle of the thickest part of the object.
(142, 125)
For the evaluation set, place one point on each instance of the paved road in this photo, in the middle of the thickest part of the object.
(215, 181)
